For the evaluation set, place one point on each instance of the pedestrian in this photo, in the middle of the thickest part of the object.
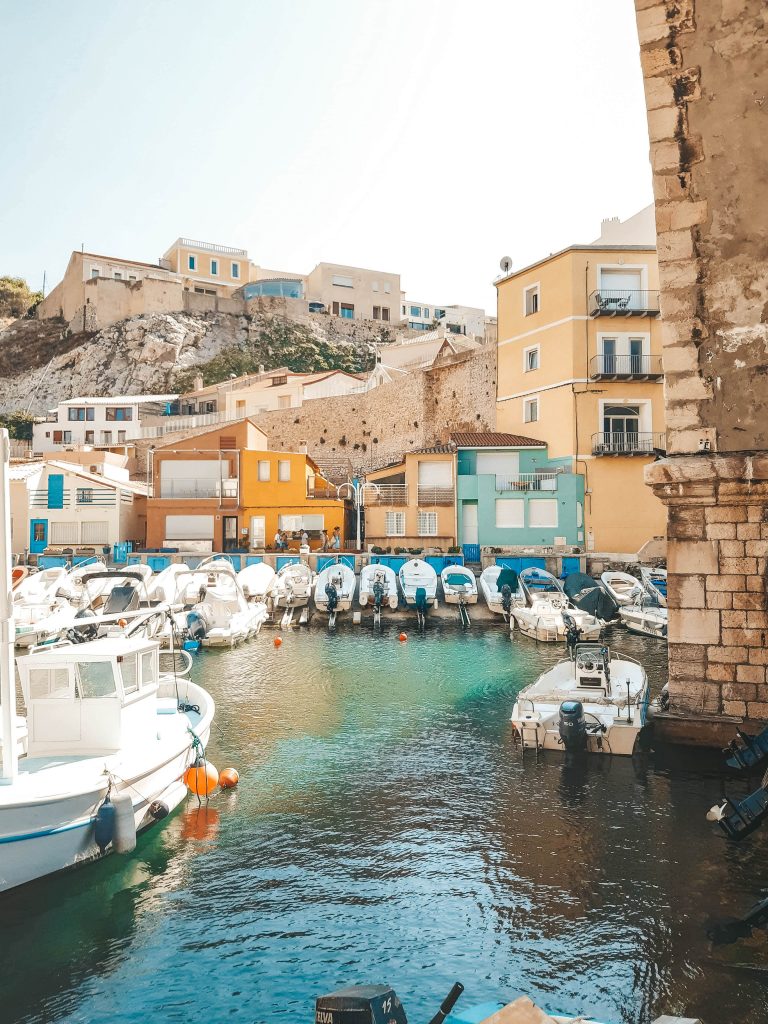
(323, 540)
(278, 542)
(336, 539)
(304, 538)
(284, 539)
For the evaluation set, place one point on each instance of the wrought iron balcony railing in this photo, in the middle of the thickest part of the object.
(628, 443)
(623, 302)
(388, 494)
(529, 481)
(436, 496)
(614, 367)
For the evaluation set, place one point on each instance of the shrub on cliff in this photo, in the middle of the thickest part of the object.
(16, 297)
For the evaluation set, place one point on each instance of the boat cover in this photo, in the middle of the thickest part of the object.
(458, 579)
(590, 596)
(509, 578)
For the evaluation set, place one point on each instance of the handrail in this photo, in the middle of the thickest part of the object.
(619, 442)
(623, 301)
(608, 364)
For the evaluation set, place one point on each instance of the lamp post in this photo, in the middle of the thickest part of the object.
(356, 493)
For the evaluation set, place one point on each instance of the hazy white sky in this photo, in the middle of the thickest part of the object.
(429, 137)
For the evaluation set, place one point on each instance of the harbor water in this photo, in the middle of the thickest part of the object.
(386, 829)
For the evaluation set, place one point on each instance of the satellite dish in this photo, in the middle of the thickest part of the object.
(506, 264)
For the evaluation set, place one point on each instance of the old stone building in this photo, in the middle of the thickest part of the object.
(706, 86)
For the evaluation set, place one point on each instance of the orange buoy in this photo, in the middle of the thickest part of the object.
(403, 637)
(201, 778)
(122, 623)
(228, 778)
(278, 641)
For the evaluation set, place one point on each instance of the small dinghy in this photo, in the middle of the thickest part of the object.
(459, 585)
(501, 590)
(378, 588)
(258, 581)
(623, 588)
(548, 614)
(590, 703)
(646, 617)
(293, 589)
(418, 585)
(655, 582)
(334, 590)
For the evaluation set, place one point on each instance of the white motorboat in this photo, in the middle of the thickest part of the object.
(378, 587)
(589, 703)
(42, 606)
(335, 588)
(459, 585)
(258, 581)
(226, 617)
(623, 588)
(418, 584)
(655, 581)
(501, 589)
(169, 584)
(102, 722)
(294, 585)
(646, 618)
(548, 609)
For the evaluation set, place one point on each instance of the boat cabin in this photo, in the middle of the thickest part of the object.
(87, 699)
(592, 667)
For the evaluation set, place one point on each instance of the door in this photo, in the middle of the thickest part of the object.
(469, 527)
(635, 355)
(609, 355)
(38, 535)
(258, 531)
(621, 288)
(621, 426)
(230, 533)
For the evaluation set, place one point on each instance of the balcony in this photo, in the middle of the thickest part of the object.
(621, 302)
(322, 494)
(435, 496)
(388, 494)
(103, 497)
(613, 367)
(629, 443)
(529, 481)
(189, 487)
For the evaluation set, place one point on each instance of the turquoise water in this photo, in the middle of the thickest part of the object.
(385, 829)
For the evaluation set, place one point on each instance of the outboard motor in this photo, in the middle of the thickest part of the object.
(333, 596)
(506, 598)
(378, 593)
(572, 726)
(572, 634)
(197, 627)
(373, 1004)
(420, 600)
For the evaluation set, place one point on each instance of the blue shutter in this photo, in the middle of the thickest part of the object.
(55, 490)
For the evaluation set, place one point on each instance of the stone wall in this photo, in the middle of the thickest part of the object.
(706, 86)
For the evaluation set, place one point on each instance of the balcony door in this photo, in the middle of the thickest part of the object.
(636, 355)
(622, 288)
(621, 427)
(609, 355)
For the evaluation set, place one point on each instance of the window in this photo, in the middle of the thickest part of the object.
(543, 512)
(192, 262)
(90, 436)
(636, 355)
(47, 683)
(188, 528)
(131, 277)
(84, 495)
(236, 270)
(342, 282)
(129, 671)
(387, 288)
(377, 312)
(284, 470)
(94, 271)
(531, 300)
(621, 419)
(57, 436)
(385, 313)
(510, 513)
(439, 313)
(76, 414)
(96, 679)
(283, 401)
(415, 310)
(258, 531)
(531, 358)
(427, 524)
(214, 268)
(394, 524)
(404, 310)
(117, 275)
(67, 437)
(64, 533)
(106, 437)
(276, 382)
(148, 674)
(426, 311)
(263, 470)
(38, 533)
(121, 437)
(347, 311)
(609, 355)
(530, 410)
(119, 412)
(375, 285)
(95, 533)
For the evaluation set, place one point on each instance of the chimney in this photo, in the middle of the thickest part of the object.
(198, 382)
(303, 448)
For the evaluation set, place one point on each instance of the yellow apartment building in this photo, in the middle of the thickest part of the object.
(579, 366)
(415, 503)
(207, 268)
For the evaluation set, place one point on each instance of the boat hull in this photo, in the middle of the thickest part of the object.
(453, 598)
(551, 630)
(620, 738)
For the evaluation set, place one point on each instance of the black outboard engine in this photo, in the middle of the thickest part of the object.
(333, 596)
(572, 634)
(373, 1004)
(572, 726)
(506, 598)
(378, 593)
(420, 600)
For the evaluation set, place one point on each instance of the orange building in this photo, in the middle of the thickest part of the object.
(225, 491)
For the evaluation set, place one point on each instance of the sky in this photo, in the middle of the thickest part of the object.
(428, 138)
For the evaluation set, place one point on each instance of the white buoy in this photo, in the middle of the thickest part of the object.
(124, 839)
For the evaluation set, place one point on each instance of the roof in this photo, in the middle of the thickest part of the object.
(572, 248)
(435, 449)
(118, 399)
(77, 470)
(24, 471)
(490, 439)
(119, 259)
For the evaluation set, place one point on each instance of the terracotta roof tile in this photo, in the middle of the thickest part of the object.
(490, 439)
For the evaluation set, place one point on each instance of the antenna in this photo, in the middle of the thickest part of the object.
(505, 263)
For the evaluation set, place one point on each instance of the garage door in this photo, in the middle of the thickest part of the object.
(188, 528)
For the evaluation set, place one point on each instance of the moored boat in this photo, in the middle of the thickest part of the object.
(655, 582)
(622, 587)
(418, 584)
(378, 587)
(258, 581)
(335, 588)
(548, 613)
(459, 585)
(501, 589)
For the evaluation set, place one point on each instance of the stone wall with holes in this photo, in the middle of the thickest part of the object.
(706, 88)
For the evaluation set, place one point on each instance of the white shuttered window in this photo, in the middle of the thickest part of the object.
(64, 533)
(95, 533)
(510, 513)
(394, 524)
(542, 512)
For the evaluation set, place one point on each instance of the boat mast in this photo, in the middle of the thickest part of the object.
(10, 764)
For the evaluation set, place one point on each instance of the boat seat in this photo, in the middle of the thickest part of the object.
(167, 706)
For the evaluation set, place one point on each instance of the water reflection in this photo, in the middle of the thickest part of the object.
(387, 829)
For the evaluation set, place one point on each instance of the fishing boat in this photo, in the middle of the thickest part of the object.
(655, 582)
(42, 606)
(459, 585)
(501, 589)
(589, 703)
(622, 587)
(418, 585)
(334, 589)
(548, 611)
(646, 617)
(378, 587)
(258, 581)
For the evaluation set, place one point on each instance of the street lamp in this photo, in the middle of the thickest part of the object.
(356, 494)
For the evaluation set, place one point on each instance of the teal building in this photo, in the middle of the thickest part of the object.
(508, 492)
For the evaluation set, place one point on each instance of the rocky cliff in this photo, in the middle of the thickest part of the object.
(42, 363)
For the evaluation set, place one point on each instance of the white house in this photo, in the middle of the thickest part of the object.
(96, 421)
(57, 505)
(425, 316)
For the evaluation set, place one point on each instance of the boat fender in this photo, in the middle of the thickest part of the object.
(159, 810)
(572, 726)
(124, 839)
(105, 825)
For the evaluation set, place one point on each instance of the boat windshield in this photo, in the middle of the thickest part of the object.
(96, 678)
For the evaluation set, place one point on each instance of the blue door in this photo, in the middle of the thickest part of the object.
(571, 565)
(38, 535)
